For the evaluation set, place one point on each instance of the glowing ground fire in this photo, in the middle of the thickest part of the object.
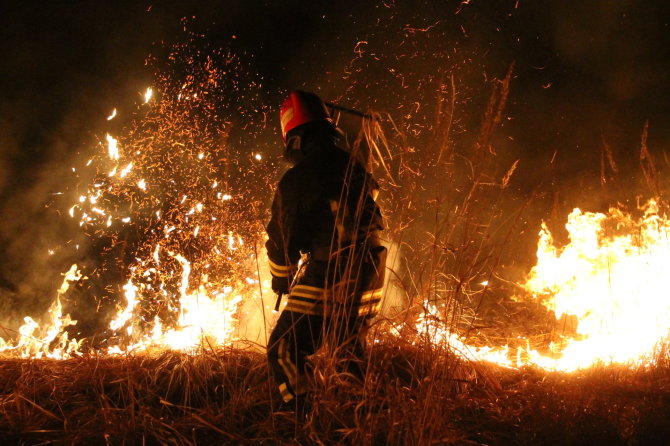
(610, 277)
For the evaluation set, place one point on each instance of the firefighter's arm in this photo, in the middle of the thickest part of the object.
(282, 255)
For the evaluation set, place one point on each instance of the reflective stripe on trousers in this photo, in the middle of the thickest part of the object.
(316, 301)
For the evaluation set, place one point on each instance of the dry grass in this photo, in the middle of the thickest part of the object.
(412, 396)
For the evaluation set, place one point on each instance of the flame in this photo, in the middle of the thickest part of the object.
(610, 276)
(49, 341)
(202, 319)
(430, 325)
(130, 292)
(126, 170)
(607, 278)
(112, 115)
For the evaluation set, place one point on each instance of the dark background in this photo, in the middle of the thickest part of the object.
(582, 67)
(585, 71)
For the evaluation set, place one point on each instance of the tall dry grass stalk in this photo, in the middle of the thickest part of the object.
(449, 222)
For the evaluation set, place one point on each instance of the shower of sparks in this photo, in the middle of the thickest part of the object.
(174, 261)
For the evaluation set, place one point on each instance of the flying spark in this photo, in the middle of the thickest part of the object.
(148, 94)
(112, 148)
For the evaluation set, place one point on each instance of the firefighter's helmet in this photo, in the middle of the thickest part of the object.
(301, 107)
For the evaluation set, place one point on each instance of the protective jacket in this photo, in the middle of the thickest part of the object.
(324, 208)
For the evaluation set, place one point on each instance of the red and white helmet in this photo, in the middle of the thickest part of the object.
(301, 107)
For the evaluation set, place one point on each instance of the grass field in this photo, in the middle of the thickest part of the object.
(412, 395)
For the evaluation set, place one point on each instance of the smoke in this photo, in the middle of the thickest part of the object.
(57, 81)
(616, 42)
(602, 67)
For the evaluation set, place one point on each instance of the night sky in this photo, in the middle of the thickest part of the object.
(584, 70)
(582, 67)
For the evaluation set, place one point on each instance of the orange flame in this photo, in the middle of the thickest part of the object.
(49, 341)
(610, 276)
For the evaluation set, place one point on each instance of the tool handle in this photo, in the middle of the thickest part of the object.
(349, 110)
(278, 303)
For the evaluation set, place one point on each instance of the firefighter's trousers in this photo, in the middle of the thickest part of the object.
(297, 336)
(336, 314)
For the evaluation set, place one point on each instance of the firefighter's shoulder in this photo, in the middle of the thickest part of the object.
(297, 180)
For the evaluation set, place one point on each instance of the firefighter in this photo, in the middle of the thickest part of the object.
(323, 247)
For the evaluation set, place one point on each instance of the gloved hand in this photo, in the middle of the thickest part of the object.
(280, 285)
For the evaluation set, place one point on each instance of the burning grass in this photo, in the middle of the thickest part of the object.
(173, 217)
(412, 395)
